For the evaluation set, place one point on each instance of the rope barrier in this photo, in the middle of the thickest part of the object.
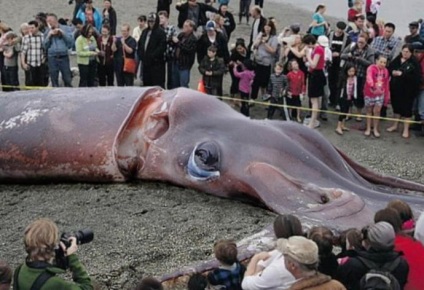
(263, 104)
(320, 111)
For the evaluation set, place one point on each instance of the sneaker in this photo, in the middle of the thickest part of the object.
(338, 108)
(306, 122)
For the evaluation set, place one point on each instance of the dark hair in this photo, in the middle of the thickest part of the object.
(359, 16)
(354, 237)
(197, 282)
(142, 18)
(226, 252)
(319, 7)
(107, 26)
(164, 13)
(404, 210)
(220, 6)
(212, 48)
(248, 64)
(391, 25)
(5, 273)
(156, 19)
(309, 39)
(323, 237)
(62, 21)
(391, 216)
(33, 22)
(149, 283)
(77, 21)
(409, 46)
(286, 226)
(271, 24)
(85, 29)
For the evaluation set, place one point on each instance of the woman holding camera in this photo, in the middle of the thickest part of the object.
(41, 238)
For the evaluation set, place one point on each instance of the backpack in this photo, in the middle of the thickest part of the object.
(378, 280)
(38, 283)
(379, 276)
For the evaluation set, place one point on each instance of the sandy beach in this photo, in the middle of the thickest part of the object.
(151, 228)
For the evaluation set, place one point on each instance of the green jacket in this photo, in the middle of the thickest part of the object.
(82, 49)
(28, 275)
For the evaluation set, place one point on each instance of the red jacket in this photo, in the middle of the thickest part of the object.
(377, 83)
(296, 82)
(413, 252)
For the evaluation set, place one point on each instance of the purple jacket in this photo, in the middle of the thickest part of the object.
(246, 79)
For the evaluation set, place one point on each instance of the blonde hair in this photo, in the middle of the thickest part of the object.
(40, 239)
(4, 27)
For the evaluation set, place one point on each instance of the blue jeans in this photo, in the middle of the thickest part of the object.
(60, 64)
(180, 77)
(421, 105)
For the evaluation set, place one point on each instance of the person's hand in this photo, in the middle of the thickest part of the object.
(175, 39)
(262, 256)
(208, 73)
(336, 54)
(396, 73)
(25, 66)
(122, 41)
(72, 249)
(289, 95)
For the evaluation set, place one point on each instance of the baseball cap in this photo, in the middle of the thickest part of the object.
(299, 248)
(414, 24)
(381, 236)
(210, 25)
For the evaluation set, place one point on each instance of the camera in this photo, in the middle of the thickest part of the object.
(82, 237)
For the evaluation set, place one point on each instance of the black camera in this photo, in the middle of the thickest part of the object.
(82, 237)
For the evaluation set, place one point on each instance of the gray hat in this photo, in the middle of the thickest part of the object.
(381, 236)
(299, 248)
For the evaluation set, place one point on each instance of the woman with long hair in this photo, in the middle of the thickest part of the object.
(405, 81)
(105, 67)
(109, 16)
(265, 47)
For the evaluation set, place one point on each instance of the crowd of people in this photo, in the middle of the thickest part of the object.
(359, 66)
(387, 254)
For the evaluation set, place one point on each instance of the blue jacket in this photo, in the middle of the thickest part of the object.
(58, 45)
(98, 19)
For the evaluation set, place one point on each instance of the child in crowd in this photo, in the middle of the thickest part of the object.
(277, 87)
(197, 282)
(10, 68)
(376, 92)
(212, 69)
(230, 274)
(296, 89)
(149, 283)
(246, 76)
(348, 92)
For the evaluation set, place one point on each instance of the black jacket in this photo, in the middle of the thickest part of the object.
(112, 21)
(229, 24)
(185, 51)
(163, 5)
(262, 22)
(153, 54)
(183, 15)
(220, 42)
(350, 273)
(217, 67)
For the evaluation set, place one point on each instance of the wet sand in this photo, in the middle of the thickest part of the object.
(154, 228)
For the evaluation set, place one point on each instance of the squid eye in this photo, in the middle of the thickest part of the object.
(204, 162)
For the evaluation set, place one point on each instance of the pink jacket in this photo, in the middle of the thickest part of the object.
(377, 83)
(246, 79)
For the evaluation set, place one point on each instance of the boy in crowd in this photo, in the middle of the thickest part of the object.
(230, 273)
(276, 91)
(212, 69)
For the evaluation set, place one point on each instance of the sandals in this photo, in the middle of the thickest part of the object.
(339, 132)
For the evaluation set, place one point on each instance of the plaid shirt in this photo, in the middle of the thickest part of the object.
(386, 47)
(228, 278)
(33, 49)
(170, 32)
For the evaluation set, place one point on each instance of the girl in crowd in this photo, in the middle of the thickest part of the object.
(376, 93)
(10, 68)
(246, 75)
(220, 26)
(238, 55)
(109, 16)
(296, 89)
(87, 51)
(315, 54)
(323, 237)
(404, 87)
(319, 26)
(348, 92)
(265, 46)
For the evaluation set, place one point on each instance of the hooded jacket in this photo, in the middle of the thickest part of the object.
(354, 269)
(317, 282)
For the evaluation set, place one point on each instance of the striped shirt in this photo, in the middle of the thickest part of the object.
(277, 85)
(33, 49)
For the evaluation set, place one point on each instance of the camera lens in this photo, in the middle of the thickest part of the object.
(84, 236)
